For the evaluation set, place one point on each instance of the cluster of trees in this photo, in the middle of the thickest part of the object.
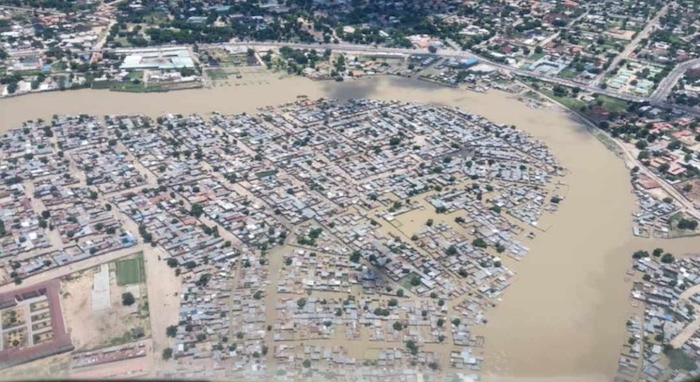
(145, 235)
(687, 224)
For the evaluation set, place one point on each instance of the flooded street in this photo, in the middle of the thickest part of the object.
(564, 317)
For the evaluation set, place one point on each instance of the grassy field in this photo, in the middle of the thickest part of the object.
(536, 56)
(136, 88)
(570, 102)
(612, 105)
(568, 73)
(217, 74)
(135, 75)
(677, 232)
(130, 271)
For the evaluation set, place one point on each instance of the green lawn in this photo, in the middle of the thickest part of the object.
(123, 41)
(130, 271)
(613, 105)
(677, 232)
(570, 102)
(217, 74)
(136, 88)
(135, 76)
(536, 56)
(568, 73)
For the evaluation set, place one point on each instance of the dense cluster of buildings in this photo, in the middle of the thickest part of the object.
(292, 226)
(663, 342)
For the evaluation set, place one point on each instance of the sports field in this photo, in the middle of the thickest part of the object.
(130, 271)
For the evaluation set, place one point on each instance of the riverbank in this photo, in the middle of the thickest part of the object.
(565, 313)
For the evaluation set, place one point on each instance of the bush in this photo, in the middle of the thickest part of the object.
(167, 353)
(688, 224)
(679, 360)
(128, 299)
(171, 331)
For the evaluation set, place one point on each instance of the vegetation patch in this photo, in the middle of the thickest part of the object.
(217, 74)
(130, 271)
(265, 174)
(612, 105)
(679, 360)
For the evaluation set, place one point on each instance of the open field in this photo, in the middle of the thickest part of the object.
(612, 104)
(217, 74)
(130, 271)
(93, 329)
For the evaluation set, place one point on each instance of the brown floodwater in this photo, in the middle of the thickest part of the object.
(564, 316)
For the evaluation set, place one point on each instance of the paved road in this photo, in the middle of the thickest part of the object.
(689, 207)
(632, 161)
(567, 28)
(631, 46)
(666, 85)
(365, 49)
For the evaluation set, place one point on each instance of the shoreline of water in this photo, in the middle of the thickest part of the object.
(564, 315)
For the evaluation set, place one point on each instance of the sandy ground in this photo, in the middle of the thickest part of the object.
(564, 317)
(163, 301)
(694, 193)
(129, 368)
(91, 330)
(46, 368)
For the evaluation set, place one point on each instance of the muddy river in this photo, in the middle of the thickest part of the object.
(564, 316)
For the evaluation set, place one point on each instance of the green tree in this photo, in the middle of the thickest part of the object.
(415, 280)
(479, 243)
(171, 331)
(196, 210)
(128, 299)
(667, 258)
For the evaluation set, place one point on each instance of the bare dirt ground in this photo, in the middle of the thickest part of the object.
(694, 193)
(91, 330)
(46, 368)
(129, 368)
(164, 300)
